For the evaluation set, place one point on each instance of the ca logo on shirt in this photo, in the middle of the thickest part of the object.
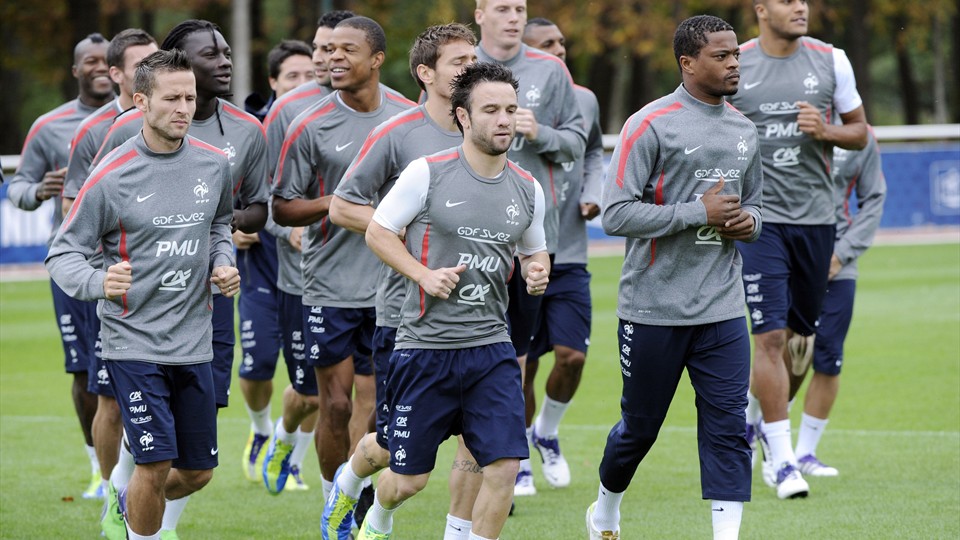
(175, 280)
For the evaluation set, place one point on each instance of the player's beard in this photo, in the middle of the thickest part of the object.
(488, 145)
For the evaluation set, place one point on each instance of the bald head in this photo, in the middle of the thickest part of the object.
(94, 41)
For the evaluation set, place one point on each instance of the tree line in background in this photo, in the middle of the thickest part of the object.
(905, 54)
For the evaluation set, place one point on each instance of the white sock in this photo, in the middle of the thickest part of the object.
(726, 519)
(327, 486)
(120, 476)
(551, 413)
(811, 429)
(281, 434)
(379, 517)
(754, 414)
(260, 420)
(172, 513)
(778, 438)
(350, 484)
(530, 435)
(606, 516)
(304, 442)
(478, 537)
(134, 536)
(525, 465)
(94, 462)
(367, 482)
(456, 529)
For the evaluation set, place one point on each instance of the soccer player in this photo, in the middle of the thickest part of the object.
(792, 86)
(126, 50)
(39, 177)
(438, 55)
(550, 132)
(157, 190)
(290, 64)
(301, 394)
(684, 182)
(566, 312)
(339, 273)
(240, 137)
(454, 369)
(858, 171)
(262, 331)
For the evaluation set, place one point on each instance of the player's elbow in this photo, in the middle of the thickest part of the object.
(282, 212)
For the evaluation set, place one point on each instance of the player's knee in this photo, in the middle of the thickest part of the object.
(196, 480)
(407, 486)
(770, 345)
(338, 406)
(570, 360)
(501, 473)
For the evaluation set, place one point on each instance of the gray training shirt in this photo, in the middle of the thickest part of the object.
(238, 134)
(797, 187)
(46, 149)
(579, 182)
(86, 141)
(338, 269)
(169, 216)
(389, 149)
(455, 216)
(678, 271)
(861, 171)
(546, 88)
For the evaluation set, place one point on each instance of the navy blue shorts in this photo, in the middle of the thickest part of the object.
(79, 330)
(434, 394)
(98, 377)
(566, 312)
(290, 314)
(717, 359)
(169, 412)
(334, 334)
(785, 276)
(384, 339)
(260, 335)
(523, 311)
(224, 340)
(834, 325)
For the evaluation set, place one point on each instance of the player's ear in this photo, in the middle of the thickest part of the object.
(686, 64)
(140, 101)
(425, 73)
(464, 117)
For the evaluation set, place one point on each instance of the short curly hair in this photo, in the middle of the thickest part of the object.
(691, 34)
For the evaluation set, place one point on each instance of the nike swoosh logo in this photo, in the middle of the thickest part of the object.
(747, 86)
(689, 151)
(214, 451)
(141, 199)
(341, 147)
(451, 205)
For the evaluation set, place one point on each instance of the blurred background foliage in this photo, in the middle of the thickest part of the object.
(905, 54)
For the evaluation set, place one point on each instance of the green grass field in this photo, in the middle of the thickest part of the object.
(895, 434)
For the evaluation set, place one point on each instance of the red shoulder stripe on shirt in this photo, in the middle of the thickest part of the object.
(44, 122)
(523, 174)
(443, 157)
(292, 136)
(87, 126)
(206, 146)
(243, 115)
(748, 45)
(400, 99)
(122, 120)
(552, 58)
(92, 181)
(289, 98)
(379, 134)
(626, 142)
(817, 47)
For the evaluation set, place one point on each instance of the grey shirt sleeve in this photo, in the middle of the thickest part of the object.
(871, 192)
(34, 163)
(593, 160)
(77, 240)
(752, 192)
(221, 239)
